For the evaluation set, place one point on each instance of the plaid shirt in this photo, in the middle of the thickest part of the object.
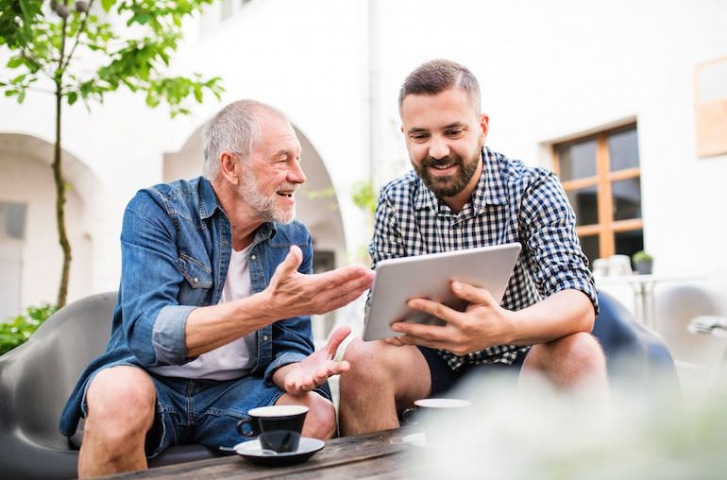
(512, 203)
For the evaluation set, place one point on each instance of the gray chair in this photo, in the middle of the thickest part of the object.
(35, 381)
(637, 356)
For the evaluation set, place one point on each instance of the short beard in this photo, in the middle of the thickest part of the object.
(444, 187)
(262, 205)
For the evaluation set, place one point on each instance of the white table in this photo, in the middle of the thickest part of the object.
(643, 289)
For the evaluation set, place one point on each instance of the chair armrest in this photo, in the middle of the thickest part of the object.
(709, 324)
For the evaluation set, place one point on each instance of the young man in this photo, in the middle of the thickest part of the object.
(212, 317)
(463, 195)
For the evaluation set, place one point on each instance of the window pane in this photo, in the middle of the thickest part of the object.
(591, 247)
(12, 220)
(626, 199)
(628, 243)
(585, 203)
(623, 150)
(577, 160)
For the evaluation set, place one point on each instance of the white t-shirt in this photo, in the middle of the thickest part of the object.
(235, 359)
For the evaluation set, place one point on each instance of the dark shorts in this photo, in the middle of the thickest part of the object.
(444, 378)
(206, 412)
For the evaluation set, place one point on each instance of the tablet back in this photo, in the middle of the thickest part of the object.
(429, 276)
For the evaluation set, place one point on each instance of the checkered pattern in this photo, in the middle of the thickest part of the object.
(512, 203)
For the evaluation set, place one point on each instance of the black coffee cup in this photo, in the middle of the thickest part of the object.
(278, 427)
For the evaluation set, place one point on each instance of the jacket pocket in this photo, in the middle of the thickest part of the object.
(198, 281)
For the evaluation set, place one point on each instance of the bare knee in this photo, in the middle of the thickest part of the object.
(367, 367)
(320, 422)
(571, 361)
(121, 404)
(379, 369)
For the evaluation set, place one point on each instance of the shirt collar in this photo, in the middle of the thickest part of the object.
(208, 199)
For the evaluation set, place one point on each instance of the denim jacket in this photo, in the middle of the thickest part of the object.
(176, 245)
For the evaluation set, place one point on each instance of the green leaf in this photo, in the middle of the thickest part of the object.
(15, 62)
(107, 4)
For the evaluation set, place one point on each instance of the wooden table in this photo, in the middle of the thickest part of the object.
(380, 455)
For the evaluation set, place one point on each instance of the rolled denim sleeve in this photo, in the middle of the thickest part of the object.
(153, 320)
(168, 337)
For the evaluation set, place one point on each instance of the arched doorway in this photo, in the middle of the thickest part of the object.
(30, 257)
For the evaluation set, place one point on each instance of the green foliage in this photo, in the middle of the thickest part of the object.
(364, 196)
(86, 57)
(16, 331)
(76, 51)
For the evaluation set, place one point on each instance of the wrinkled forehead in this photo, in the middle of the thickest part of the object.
(277, 134)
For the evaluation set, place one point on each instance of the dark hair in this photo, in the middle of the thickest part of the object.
(436, 76)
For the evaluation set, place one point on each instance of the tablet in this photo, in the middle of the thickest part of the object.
(429, 276)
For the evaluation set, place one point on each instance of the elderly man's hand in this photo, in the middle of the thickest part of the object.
(299, 378)
(292, 293)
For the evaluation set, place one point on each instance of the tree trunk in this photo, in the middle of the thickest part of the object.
(61, 203)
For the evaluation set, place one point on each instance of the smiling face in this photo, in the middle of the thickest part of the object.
(273, 173)
(444, 136)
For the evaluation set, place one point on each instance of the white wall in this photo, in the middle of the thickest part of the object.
(555, 69)
(548, 70)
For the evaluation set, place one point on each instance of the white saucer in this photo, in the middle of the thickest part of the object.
(253, 452)
(418, 439)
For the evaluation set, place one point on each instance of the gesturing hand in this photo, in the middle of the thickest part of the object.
(299, 378)
(292, 293)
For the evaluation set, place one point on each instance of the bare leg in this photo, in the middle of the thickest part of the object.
(575, 363)
(320, 422)
(383, 380)
(121, 404)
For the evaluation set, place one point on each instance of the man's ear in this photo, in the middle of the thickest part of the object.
(230, 167)
(484, 122)
(485, 125)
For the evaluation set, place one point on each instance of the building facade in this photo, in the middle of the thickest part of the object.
(562, 81)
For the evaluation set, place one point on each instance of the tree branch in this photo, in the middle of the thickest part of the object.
(81, 29)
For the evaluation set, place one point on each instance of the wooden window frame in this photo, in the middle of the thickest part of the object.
(607, 227)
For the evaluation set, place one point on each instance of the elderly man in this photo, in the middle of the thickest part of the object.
(212, 317)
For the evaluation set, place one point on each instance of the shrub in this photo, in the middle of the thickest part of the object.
(15, 331)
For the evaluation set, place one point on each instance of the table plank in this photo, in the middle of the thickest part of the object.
(374, 455)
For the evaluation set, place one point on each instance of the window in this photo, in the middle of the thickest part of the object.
(602, 178)
(12, 234)
(12, 220)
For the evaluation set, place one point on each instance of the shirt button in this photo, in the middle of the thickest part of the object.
(195, 280)
(265, 338)
(252, 257)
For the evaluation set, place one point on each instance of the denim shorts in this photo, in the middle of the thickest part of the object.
(205, 412)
